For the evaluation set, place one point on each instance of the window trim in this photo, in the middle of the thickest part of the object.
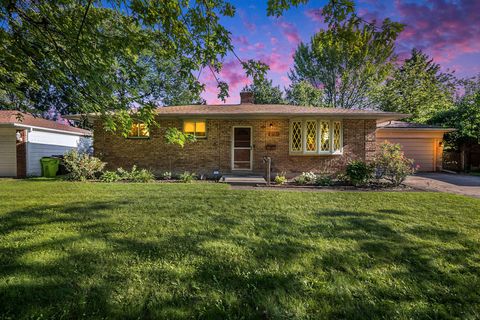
(318, 152)
(195, 122)
(138, 136)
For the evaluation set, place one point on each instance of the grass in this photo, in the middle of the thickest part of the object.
(166, 251)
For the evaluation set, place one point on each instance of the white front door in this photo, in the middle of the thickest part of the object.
(242, 148)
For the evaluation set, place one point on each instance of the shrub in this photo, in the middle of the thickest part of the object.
(167, 175)
(392, 165)
(300, 180)
(280, 178)
(359, 173)
(323, 180)
(142, 175)
(187, 177)
(306, 178)
(135, 175)
(82, 166)
(110, 176)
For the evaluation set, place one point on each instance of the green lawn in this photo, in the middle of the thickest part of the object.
(74, 250)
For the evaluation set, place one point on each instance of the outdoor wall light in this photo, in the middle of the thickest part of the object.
(271, 125)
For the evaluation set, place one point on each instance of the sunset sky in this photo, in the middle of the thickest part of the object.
(449, 31)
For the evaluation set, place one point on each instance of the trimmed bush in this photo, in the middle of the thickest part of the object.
(359, 173)
(110, 176)
(392, 165)
(82, 166)
(280, 178)
(135, 175)
(187, 177)
(323, 180)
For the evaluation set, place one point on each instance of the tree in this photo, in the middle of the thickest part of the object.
(108, 56)
(304, 94)
(418, 87)
(264, 92)
(104, 56)
(348, 59)
(464, 116)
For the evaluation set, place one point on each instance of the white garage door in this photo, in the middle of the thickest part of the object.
(8, 153)
(420, 150)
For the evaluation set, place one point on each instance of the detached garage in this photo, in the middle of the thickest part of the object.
(25, 139)
(422, 143)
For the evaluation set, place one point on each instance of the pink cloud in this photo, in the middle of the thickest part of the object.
(233, 74)
(242, 40)
(278, 63)
(290, 32)
(273, 40)
(314, 15)
(246, 23)
(443, 29)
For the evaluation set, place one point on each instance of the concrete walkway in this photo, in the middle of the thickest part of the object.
(444, 182)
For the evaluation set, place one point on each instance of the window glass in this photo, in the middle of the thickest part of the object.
(189, 127)
(337, 143)
(296, 136)
(324, 136)
(200, 129)
(196, 128)
(311, 143)
(139, 130)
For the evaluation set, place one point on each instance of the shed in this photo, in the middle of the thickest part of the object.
(420, 142)
(25, 139)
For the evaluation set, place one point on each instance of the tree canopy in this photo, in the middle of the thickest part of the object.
(103, 56)
(417, 87)
(464, 116)
(348, 59)
(304, 94)
(264, 92)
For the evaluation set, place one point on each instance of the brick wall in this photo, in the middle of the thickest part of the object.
(22, 155)
(214, 152)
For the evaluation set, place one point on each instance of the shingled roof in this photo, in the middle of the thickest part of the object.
(252, 110)
(259, 111)
(410, 125)
(12, 117)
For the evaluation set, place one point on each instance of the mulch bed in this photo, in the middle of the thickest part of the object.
(383, 187)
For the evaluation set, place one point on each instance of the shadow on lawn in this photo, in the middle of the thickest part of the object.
(341, 264)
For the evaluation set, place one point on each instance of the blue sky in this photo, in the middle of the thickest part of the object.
(449, 31)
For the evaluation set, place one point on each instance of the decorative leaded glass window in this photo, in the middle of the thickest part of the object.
(296, 137)
(311, 134)
(337, 136)
(325, 136)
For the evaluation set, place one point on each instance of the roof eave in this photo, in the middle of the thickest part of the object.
(380, 117)
(417, 129)
(26, 126)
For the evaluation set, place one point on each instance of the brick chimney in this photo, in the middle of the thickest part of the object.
(246, 97)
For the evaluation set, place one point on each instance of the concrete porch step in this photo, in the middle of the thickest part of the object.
(243, 179)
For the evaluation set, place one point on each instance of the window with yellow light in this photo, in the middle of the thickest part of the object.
(197, 128)
(139, 130)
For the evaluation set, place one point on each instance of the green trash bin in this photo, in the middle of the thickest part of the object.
(49, 166)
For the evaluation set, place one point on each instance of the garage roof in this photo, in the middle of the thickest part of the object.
(21, 119)
(411, 125)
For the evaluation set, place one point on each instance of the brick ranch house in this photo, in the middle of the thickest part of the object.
(236, 138)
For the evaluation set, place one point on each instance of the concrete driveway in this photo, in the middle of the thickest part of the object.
(444, 182)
